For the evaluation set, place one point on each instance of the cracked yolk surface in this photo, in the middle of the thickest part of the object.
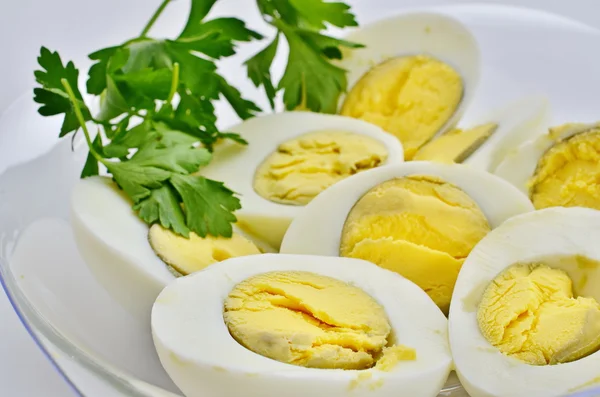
(410, 97)
(529, 312)
(302, 168)
(420, 227)
(309, 320)
(568, 174)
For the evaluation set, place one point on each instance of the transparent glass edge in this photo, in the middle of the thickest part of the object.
(34, 323)
(27, 325)
(37, 326)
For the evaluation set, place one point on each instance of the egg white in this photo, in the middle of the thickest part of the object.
(317, 230)
(550, 235)
(113, 242)
(519, 165)
(518, 121)
(203, 359)
(413, 33)
(235, 165)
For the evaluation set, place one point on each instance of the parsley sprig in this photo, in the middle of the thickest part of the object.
(310, 81)
(156, 123)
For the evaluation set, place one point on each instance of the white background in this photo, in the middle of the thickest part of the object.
(75, 27)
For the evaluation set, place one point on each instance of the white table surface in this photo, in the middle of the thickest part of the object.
(24, 370)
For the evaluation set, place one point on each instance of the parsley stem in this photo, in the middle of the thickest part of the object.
(174, 82)
(152, 20)
(80, 118)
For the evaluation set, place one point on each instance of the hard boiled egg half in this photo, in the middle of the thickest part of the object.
(414, 78)
(560, 168)
(419, 219)
(124, 254)
(293, 325)
(525, 314)
(290, 158)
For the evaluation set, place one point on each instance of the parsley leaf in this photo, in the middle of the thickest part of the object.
(137, 181)
(199, 11)
(90, 167)
(259, 69)
(310, 81)
(328, 46)
(216, 38)
(200, 77)
(243, 107)
(196, 116)
(163, 206)
(97, 75)
(143, 53)
(234, 137)
(52, 96)
(152, 84)
(170, 137)
(182, 159)
(112, 102)
(209, 204)
(279, 9)
(316, 13)
(132, 138)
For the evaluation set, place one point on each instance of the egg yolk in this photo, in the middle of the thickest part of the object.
(302, 168)
(568, 174)
(186, 256)
(420, 227)
(529, 312)
(310, 320)
(455, 146)
(411, 97)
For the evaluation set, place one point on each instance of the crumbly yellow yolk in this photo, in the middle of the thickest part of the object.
(187, 256)
(568, 174)
(309, 320)
(302, 168)
(393, 355)
(410, 97)
(419, 227)
(456, 145)
(529, 312)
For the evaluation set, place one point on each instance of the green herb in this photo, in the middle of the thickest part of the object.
(156, 123)
(310, 81)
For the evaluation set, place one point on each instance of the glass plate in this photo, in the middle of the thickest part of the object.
(82, 329)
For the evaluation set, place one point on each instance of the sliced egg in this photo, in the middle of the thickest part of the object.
(525, 318)
(115, 244)
(415, 76)
(200, 353)
(455, 145)
(290, 158)
(559, 168)
(420, 219)
(490, 136)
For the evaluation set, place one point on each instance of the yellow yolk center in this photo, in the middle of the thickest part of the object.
(419, 227)
(302, 168)
(410, 97)
(456, 145)
(187, 256)
(310, 320)
(529, 313)
(568, 174)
